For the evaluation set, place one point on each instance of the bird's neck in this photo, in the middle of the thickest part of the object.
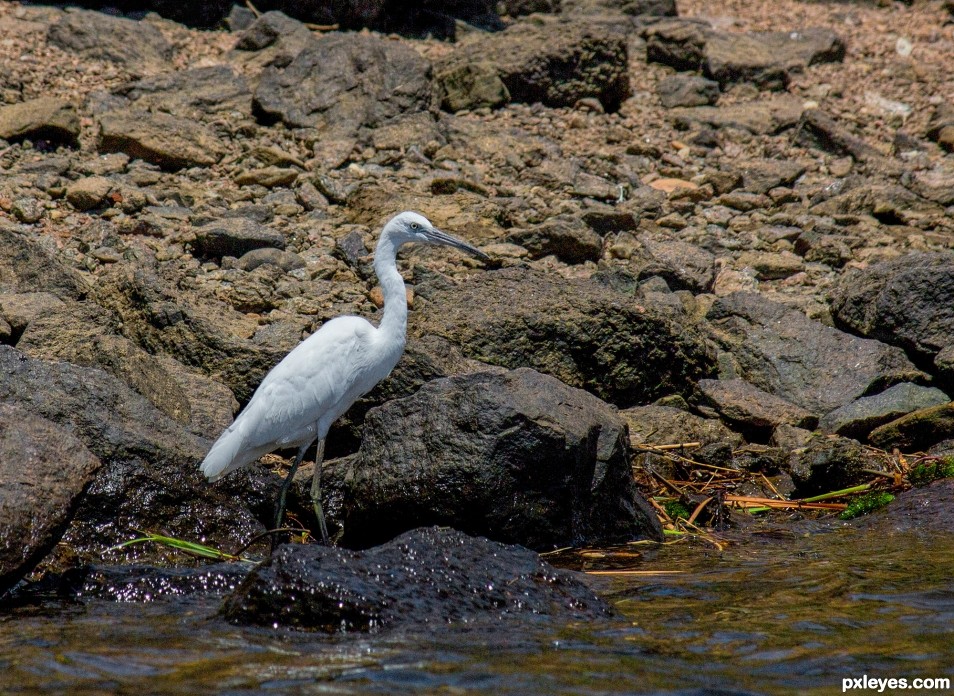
(394, 322)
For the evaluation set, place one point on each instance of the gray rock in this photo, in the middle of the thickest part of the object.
(827, 464)
(26, 266)
(917, 431)
(470, 85)
(677, 43)
(46, 118)
(88, 192)
(272, 40)
(762, 175)
(556, 64)
(683, 266)
(579, 331)
(908, 302)
(435, 577)
(137, 46)
(158, 318)
(168, 141)
(665, 425)
(687, 90)
(783, 352)
(285, 260)
(518, 457)
(567, 238)
(44, 470)
(85, 334)
(149, 478)
(234, 237)
(767, 59)
(769, 115)
(749, 408)
(199, 93)
(343, 82)
(863, 415)
(818, 130)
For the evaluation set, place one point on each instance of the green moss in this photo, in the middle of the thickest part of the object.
(676, 510)
(864, 504)
(925, 473)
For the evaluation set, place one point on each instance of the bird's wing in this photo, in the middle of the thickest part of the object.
(308, 383)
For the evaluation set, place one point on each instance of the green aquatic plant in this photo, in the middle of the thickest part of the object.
(864, 504)
(931, 470)
(189, 547)
(676, 510)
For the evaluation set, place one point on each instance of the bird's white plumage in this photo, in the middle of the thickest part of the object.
(318, 381)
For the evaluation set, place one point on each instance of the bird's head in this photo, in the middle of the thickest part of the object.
(409, 227)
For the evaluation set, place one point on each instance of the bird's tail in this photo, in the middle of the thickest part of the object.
(225, 455)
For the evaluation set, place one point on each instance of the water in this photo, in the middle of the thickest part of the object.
(771, 615)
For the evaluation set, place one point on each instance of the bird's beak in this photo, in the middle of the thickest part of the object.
(437, 236)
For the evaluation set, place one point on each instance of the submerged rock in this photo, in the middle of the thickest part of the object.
(44, 470)
(518, 457)
(424, 578)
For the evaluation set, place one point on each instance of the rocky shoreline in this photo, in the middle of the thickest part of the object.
(700, 230)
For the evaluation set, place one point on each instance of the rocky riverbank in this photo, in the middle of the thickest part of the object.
(731, 228)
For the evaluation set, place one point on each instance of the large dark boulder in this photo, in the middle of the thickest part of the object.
(519, 457)
(907, 302)
(581, 332)
(44, 470)
(781, 351)
(424, 578)
(149, 478)
(343, 82)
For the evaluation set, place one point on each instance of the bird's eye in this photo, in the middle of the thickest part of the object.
(415, 226)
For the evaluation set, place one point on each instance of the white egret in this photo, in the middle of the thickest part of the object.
(318, 381)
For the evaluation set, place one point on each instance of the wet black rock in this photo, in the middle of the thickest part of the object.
(343, 82)
(518, 457)
(139, 583)
(781, 351)
(44, 470)
(581, 332)
(929, 510)
(424, 578)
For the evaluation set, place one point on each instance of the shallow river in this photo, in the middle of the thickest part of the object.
(774, 615)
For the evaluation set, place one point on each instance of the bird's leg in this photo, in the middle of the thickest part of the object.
(283, 491)
(316, 492)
